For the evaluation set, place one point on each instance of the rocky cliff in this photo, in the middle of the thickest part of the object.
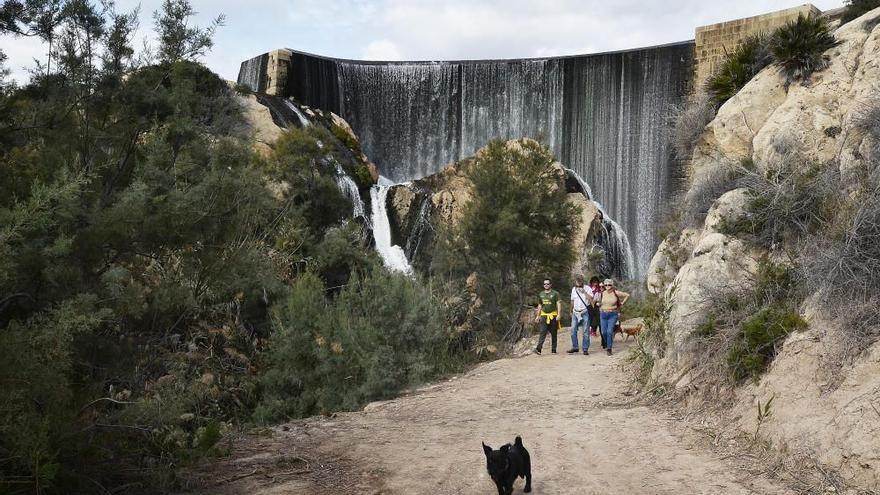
(822, 404)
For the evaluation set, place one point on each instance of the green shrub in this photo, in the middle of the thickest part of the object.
(787, 201)
(512, 233)
(708, 327)
(242, 89)
(738, 68)
(363, 177)
(759, 339)
(856, 8)
(799, 47)
(347, 139)
(383, 332)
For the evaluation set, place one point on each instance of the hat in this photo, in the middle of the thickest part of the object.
(608, 281)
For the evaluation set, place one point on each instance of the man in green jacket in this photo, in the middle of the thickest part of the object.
(548, 311)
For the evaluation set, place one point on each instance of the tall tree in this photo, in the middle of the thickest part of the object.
(178, 40)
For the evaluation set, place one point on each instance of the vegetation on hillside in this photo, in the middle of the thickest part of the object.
(738, 68)
(155, 271)
(797, 49)
(857, 8)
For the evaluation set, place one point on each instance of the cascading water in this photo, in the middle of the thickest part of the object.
(614, 242)
(603, 115)
(392, 255)
(303, 120)
(348, 187)
(420, 228)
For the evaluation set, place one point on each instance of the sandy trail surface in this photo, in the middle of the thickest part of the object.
(569, 409)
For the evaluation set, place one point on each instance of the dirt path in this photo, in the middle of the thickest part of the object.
(429, 441)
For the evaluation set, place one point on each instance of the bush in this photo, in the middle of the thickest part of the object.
(738, 68)
(799, 47)
(843, 261)
(651, 341)
(383, 332)
(760, 336)
(866, 119)
(688, 124)
(743, 328)
(708, 185)
(788, 200)
(856, 8)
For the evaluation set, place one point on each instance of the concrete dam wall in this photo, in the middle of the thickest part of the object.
(605, 116)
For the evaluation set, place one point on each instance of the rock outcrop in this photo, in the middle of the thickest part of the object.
(839, 424)
(416, 208)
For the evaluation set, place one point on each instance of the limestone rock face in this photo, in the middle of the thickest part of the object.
(717, 262)
(730, 207)
(731, 133)
(585, 230)
(344, 125)
(258, 120)
(762, 122)
(838, 424)
(670, 255)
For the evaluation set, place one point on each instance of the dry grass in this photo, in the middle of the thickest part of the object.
(708, 184)
(688, 123)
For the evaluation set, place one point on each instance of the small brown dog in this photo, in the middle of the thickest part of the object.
(631, 331)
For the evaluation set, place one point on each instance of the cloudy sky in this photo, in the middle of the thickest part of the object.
(435, 30)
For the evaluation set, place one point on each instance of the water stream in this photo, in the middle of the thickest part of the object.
(392, 256)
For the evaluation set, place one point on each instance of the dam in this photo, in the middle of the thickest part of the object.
(606, 116)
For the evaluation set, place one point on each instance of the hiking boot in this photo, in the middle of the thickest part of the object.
(537, 351)
(572, 351)
(608, 351)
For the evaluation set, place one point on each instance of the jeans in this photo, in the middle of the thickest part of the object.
(580, 321)
(608, 319)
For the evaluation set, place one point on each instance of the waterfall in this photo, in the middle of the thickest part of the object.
(392, 256)
(615, 243)
(253, 73)
(420, 227)
(603, 115)
(348, 187)
(303, 120)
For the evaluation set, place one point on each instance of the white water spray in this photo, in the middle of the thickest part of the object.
(348, 187)
(303, 120)
(392, 255)
(621, 241)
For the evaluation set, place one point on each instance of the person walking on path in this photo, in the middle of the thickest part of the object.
(549, 308)
(609, 311)
(595, 292)
(581, 300)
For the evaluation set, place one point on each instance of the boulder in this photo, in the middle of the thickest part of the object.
(729, 208)
(258, 121)
(716, 264)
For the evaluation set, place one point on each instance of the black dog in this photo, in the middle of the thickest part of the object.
(508, 463)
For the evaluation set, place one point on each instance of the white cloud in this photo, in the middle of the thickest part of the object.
(381, 50)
